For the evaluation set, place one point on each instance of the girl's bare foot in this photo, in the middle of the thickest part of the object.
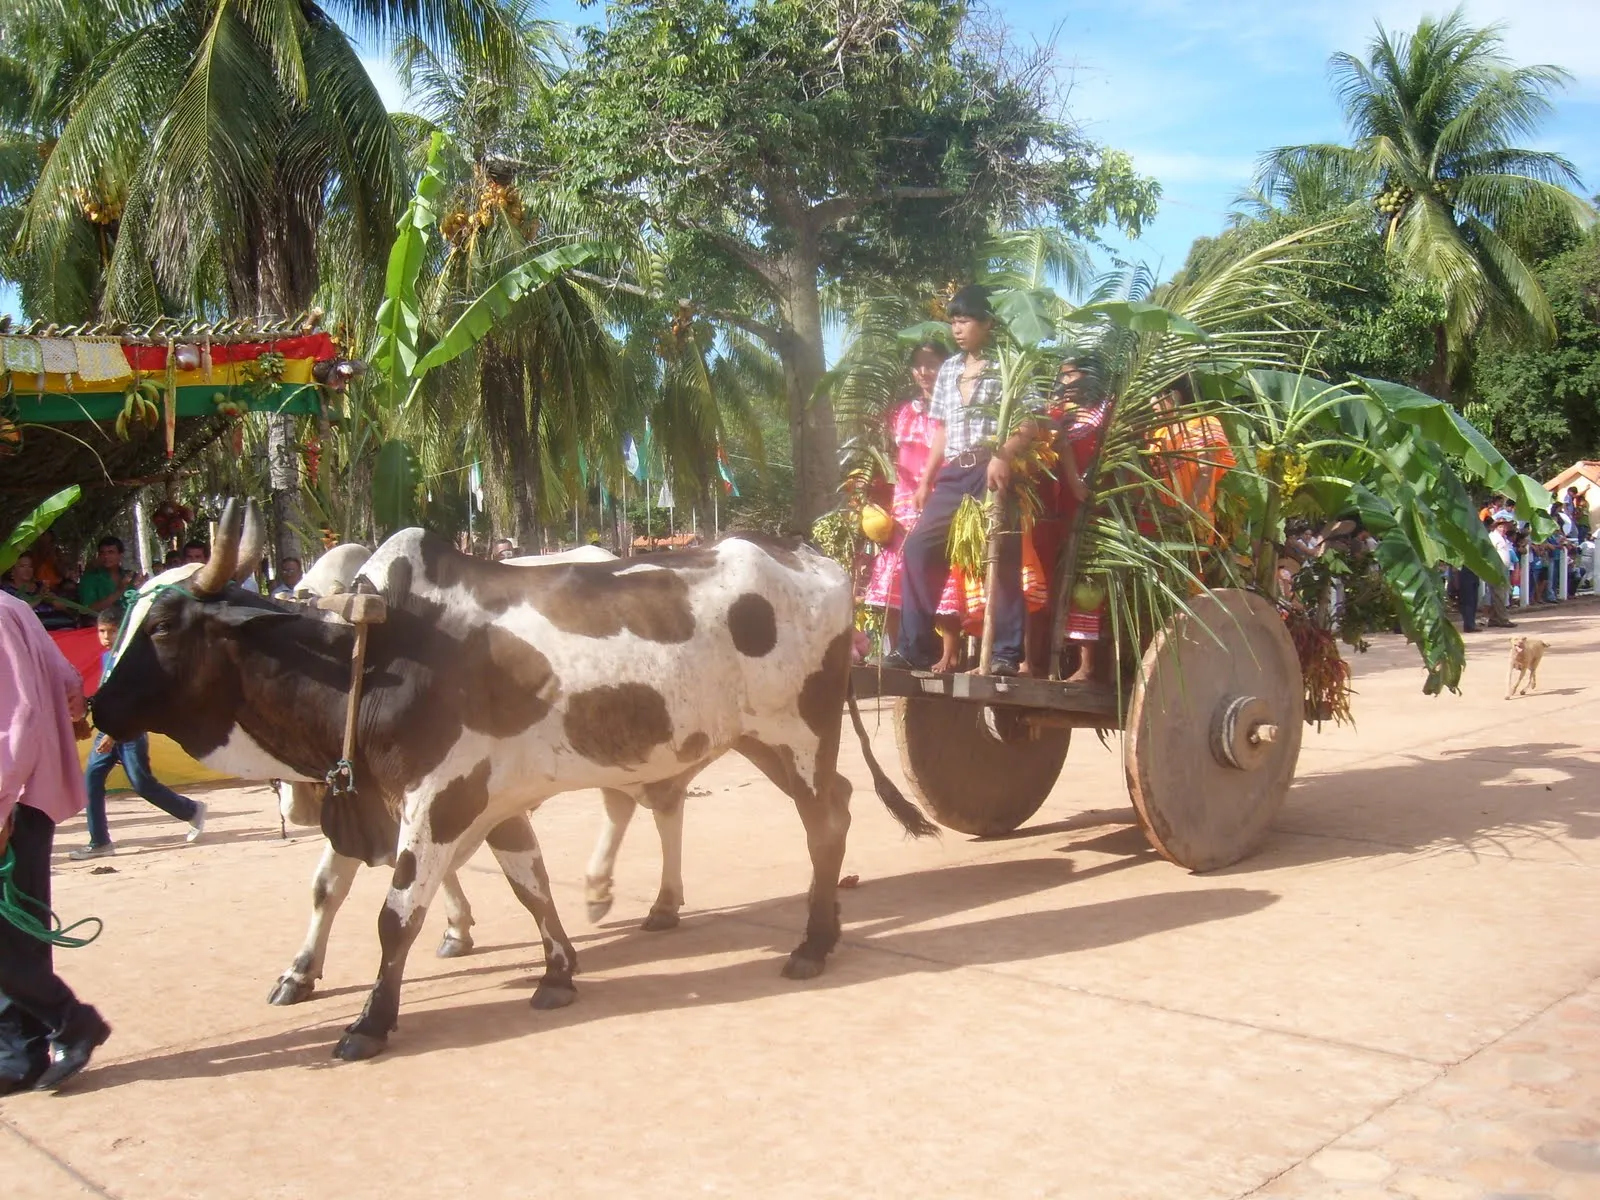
(944, 666)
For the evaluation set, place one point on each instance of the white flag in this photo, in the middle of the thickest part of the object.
(665, 499)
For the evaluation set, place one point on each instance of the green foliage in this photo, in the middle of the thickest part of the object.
(395, 478)
(772, 147)
(1373, 316)
(30, 528)
(1542, 404)
(395, 351)
(1434, 115)
(1399, 459)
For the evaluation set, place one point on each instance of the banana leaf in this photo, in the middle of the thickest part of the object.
(1404, 553)
(399, 319)
(1139, 316)
(479, 317)
(1442, 425)
(395, 475)
(30, 528)
(1025, 312)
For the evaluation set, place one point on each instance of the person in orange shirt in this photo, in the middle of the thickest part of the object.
(1195, 453)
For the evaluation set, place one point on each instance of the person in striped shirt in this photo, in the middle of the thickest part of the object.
(966, 457)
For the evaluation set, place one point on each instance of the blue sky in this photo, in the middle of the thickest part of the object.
(1196, 91)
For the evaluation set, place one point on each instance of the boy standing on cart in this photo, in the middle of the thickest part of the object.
(962, 461)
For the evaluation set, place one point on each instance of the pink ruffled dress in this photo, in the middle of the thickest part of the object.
(911, 430)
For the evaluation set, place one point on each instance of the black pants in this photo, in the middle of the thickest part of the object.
(1467, 598)
(27, 970)
(926, 566)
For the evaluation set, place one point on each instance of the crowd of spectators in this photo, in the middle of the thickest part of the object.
(1528, 561)
(64, 595)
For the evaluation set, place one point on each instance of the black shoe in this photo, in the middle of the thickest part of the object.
(1002, 667)
(895, 661)
(1469, 629)
(71, 1049)
(1502, 624)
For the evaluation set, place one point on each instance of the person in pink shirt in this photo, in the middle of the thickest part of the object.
(41, 699)
(911, 432)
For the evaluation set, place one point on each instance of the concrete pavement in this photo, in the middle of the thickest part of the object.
(1397, 997)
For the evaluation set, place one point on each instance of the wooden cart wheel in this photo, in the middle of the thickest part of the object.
(1214, 730)
(979, 769)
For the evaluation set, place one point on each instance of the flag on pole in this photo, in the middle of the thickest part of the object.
(631, 458)
(475, 483)
(664, 500)
(726, 472)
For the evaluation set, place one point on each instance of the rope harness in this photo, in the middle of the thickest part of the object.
(363, 611)
(35, 918)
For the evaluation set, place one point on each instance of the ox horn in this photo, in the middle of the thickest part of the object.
(252, 545)
(210, 579)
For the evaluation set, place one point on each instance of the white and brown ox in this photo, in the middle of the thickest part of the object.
(490, 688)
(301, 804)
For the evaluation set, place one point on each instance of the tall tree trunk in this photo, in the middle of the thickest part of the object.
(511, 421)
(282, 290)
(1439, 375)
(283, 471)
(813, 437)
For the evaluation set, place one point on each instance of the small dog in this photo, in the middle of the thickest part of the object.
(1526, 654)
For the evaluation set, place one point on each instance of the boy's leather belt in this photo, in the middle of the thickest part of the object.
(968, 459)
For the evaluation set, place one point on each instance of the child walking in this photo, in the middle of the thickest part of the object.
(134, 756)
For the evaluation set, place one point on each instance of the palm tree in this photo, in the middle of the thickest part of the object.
(545, 398)
(242, 146)
(1435, 117)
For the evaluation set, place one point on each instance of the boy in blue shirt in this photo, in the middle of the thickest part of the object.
(134, 756)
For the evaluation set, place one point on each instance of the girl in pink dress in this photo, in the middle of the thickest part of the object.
(911, 430)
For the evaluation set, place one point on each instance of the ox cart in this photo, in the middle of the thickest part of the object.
(1211, 719)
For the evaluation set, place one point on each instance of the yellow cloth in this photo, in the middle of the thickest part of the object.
(101, 360)
(168, 763)
(60, 356)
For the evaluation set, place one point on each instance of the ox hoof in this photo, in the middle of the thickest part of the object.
(553, 995)
(452, 946)
(353, 1047)
(660, 919)
(801, 967)
(598, 910)
(291, 990)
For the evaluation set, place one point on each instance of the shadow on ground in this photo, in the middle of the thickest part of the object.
(889, 916)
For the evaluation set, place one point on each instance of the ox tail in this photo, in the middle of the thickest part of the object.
(911, 818)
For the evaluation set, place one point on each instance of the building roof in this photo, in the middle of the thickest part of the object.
(1586, 469)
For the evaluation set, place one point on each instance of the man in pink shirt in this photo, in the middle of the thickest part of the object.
(41, 697)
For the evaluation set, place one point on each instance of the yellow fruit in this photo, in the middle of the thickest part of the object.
(876, 524)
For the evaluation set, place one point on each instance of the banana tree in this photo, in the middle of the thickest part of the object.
(404, 354)
(1396, 458)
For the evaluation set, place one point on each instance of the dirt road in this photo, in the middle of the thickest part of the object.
(1398, 997)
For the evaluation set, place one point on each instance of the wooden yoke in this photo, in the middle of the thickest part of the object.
(363, 611)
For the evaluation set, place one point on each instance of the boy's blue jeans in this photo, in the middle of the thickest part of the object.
(135, 759)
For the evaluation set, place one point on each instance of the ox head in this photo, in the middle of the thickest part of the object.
(176, 661)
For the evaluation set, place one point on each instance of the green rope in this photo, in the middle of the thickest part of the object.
(12, 902)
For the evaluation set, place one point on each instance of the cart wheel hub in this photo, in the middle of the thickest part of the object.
(1242, 732)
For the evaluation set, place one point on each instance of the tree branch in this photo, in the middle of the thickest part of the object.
(770, 334)
(757, 262)
(829, 212)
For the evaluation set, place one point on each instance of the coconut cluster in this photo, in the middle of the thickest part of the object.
(1393, 200)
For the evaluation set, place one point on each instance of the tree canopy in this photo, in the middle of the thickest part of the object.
(771, 147)
(1435, 116)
